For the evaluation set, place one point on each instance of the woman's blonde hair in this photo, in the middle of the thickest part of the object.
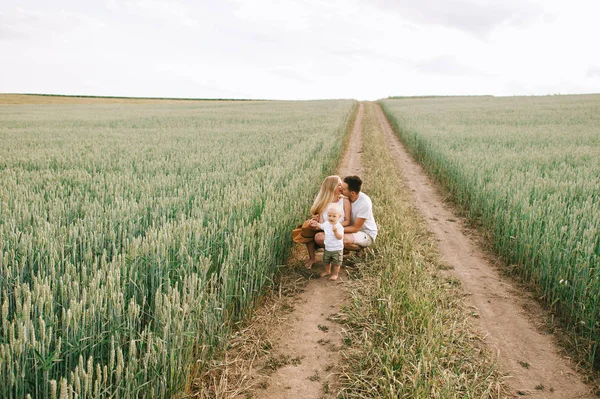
(326, 195)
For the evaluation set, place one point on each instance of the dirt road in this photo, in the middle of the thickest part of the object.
(309, 335)
(530, 359)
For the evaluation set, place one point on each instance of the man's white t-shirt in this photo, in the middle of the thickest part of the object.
(331, 241)
(363, 208)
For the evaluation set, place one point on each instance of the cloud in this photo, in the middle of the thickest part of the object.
(298, 49)
(593, 72)
(172, 12)
(475, 17)
(351, 52)
(8, 32)
(20, 23)
(289, 73)
(446, 65)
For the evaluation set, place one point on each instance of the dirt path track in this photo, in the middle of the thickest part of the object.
(309, 335)
(529, 358)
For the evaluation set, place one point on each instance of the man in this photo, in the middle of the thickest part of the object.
(362, 230)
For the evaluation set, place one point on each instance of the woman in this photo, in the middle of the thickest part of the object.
(331, 191)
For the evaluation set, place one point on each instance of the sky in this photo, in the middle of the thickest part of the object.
(299, 50)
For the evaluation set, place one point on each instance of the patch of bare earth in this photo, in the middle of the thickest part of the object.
(291, 347)
(528, 357)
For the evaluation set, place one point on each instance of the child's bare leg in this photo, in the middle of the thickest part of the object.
(326, 270)
(310, 247)
(336, 273)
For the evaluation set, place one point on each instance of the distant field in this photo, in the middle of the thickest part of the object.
(133, 235)
(526, 168)
(58, 99)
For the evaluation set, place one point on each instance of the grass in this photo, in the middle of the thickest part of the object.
(408, 331)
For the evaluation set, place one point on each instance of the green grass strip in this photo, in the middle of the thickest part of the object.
(408, 330)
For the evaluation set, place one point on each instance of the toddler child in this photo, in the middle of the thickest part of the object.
(334, 241)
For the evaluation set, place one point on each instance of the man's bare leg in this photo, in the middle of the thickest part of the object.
(349, 243)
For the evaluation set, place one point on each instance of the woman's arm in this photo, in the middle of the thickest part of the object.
(347, 212)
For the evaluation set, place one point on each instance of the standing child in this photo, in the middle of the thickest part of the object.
(334, 241)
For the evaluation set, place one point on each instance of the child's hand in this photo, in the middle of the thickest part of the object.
(334, 228)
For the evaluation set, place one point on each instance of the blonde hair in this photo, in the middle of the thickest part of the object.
(334, 207)
(326, 195)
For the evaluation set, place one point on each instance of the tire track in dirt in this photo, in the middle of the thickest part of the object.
(529, 358)
(308, 334)
(351, 162)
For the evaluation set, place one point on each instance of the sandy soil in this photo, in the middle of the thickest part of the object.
(527, 356)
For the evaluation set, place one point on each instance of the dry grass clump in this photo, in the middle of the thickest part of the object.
(408, 332)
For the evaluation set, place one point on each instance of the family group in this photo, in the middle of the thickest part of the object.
(342, 218)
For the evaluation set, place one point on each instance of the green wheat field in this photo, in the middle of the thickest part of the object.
(133, 236)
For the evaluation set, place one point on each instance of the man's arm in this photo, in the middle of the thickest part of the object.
(355, 228)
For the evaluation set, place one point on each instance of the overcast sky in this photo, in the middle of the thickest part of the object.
(304, 49)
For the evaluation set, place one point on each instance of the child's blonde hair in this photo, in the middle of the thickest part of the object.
(326, 195)
(334, 207)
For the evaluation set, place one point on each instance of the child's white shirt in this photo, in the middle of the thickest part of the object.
(332, 243)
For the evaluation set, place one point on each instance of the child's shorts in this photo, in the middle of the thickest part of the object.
(333, 257)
